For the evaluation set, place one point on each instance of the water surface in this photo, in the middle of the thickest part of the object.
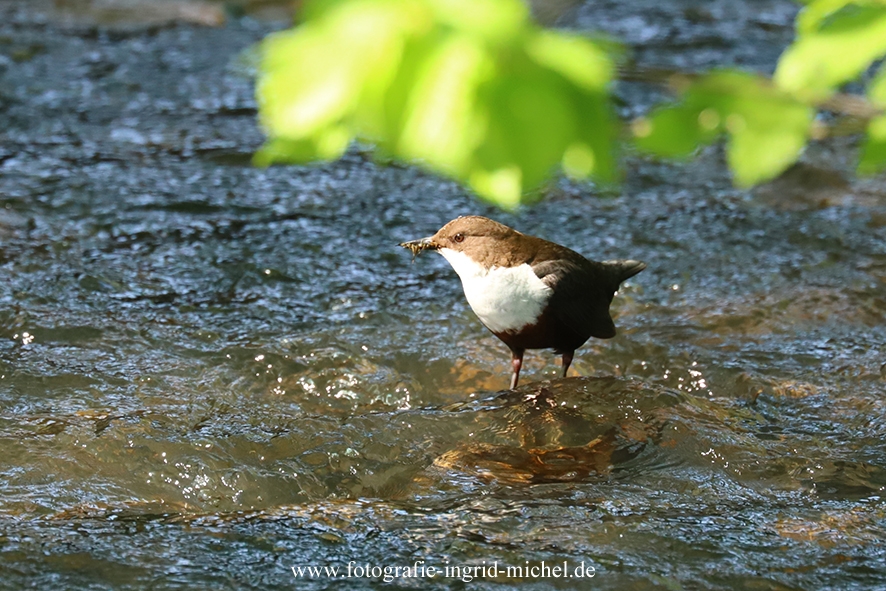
(210, 373)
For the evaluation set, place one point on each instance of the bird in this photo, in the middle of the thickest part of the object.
(529, 292)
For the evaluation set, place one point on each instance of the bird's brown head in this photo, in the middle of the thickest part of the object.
(466, 233)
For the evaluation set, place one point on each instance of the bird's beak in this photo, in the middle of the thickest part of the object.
(416, 246)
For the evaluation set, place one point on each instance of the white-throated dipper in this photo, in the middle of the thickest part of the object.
(530, 293)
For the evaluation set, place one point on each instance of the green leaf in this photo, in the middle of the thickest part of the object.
(503, 186)
(494, 21)
(877, 88)
(284, 150)
(579, 161)
(441, 125)
(316, 9)
(596, 131)
(831, 51)
(815, 12)
(873, 152)
(767, 128)
(328, 144)
(768, 142)
(316, 75)
(469, 88)
(530, 122)
(671, 132)
(576, 58)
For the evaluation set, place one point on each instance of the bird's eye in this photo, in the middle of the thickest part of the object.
(458, 237)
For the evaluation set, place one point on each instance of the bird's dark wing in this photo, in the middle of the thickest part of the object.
(583, 291)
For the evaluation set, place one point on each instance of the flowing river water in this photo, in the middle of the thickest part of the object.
(212, 374)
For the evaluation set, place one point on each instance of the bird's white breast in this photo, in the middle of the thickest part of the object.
(503, 298)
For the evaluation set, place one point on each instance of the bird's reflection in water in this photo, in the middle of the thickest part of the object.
(557, 442)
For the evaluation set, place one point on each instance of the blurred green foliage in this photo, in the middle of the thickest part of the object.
(473, 89)
(767, 127)
(873, 155)
(836, 41)
(768, 122)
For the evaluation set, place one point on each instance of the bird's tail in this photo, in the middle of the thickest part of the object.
(623, 270)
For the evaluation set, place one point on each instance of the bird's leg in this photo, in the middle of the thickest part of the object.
(567, 361)
(516, 363)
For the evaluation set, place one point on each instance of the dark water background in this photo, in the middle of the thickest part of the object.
(211, 373)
